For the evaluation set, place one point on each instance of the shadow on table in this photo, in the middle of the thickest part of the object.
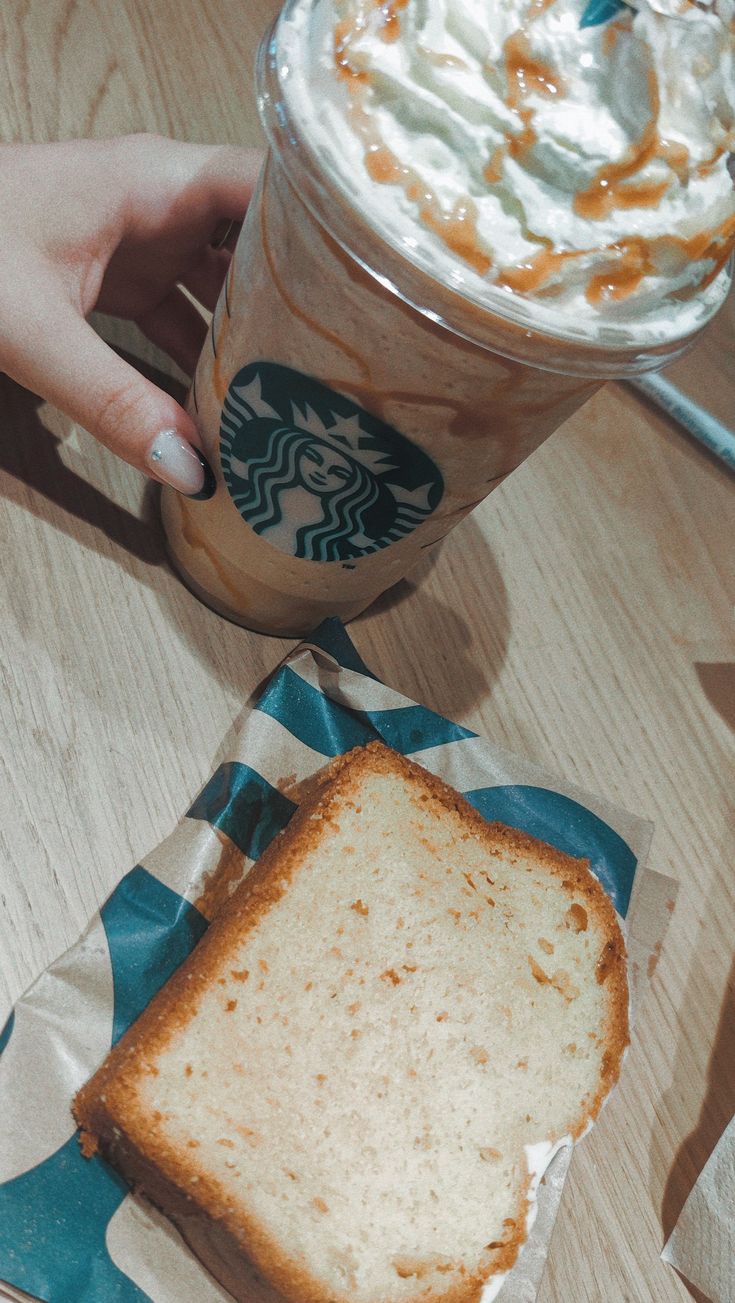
(412, 640)
(400, 647)
(34, 474)
(718, 684)
(30, 457)
(718, 1106)
(692, 1290)
(717, 681)
(436, 656)
(426, 645)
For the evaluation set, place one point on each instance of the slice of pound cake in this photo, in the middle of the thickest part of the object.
(335, 1095)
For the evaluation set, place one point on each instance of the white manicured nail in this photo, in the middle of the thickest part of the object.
(173, 459)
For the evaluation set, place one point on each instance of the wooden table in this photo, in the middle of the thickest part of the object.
(582, 617)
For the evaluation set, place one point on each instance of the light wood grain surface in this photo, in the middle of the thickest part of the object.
(583, 617)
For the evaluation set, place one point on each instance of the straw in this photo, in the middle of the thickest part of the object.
(702, 425)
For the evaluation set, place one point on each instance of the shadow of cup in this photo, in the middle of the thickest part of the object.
(34, 474)
(431, 644)
(422, 641)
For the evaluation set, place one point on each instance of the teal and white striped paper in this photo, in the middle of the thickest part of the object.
(70, 1232)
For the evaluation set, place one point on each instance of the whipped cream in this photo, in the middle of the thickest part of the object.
(518, 156)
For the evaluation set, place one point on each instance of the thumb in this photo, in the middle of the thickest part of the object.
(64, 361)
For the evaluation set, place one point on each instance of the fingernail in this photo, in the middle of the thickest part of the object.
(209, 487)
(182, 466)
(225, 234)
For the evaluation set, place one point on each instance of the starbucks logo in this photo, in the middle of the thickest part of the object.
(316, 475)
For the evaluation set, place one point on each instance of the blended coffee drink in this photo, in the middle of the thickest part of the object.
(471, 215)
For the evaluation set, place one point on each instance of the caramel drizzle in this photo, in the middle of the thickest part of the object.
(630, 259)
(312, 322)
(199, 541)
(676, 155)
(441, 60)
(390, 27)
(344, 33)
(456, 229)
(493, 171)
(219, 382)
(709, 164)
(380, 401)
(622, 279)
(526, 73)
(612, 187)
(606, 191)
(610, 37)
(713, 245)
(524, 277)
(525, 140)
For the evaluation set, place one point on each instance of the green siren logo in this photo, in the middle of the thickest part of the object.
(316, 475)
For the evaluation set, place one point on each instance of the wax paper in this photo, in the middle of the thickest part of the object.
(70, 1230)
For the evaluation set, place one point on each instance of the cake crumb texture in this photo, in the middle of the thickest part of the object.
(336, 1089)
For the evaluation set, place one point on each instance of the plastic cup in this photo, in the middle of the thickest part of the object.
(354, 409)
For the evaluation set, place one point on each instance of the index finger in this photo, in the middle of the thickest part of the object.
(198, 185)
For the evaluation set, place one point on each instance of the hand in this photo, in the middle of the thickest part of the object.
(117, 225)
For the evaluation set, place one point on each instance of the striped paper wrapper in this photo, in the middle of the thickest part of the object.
(70, 1229)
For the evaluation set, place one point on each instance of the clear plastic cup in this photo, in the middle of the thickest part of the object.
(353, 407)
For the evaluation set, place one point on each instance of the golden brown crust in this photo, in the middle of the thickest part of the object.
(222, 1253)
(107, 1107)
(216, 1248)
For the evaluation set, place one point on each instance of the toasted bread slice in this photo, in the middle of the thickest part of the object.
(333, 1095)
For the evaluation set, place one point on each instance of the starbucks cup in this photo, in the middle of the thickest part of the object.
(353, 406)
